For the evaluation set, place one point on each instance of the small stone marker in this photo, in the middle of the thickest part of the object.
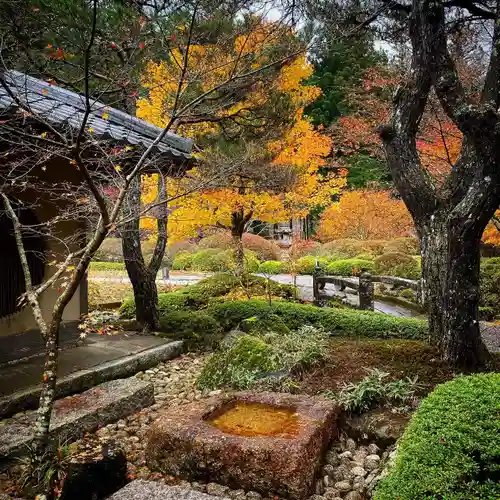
(149, 490)
(73, 416)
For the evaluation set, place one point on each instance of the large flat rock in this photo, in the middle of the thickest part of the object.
(276, 452)
(73, 416)
(149, 490)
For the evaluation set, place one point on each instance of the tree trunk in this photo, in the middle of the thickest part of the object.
(450, 272)
(47, 395)
(142, 278)
(238, 221)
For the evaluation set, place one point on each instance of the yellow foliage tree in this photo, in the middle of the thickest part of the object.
(365, 215)
(273, 178)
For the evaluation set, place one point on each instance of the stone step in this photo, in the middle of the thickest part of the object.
(150, 490)
(82, 380)
(73, 416)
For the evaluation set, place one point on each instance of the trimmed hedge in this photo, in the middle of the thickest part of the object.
(408, 246)
(195, 327)
(451, 448)
(213, 260)
(199, 295)
(264, 249)
(273, 267)
(349, 267)
(307, 264)
(182, 261)
(489, 303)
(107, 266)
(349, 248)
(337, 321)
(398, 264)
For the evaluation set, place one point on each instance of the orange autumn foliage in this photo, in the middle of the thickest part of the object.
(365, 215)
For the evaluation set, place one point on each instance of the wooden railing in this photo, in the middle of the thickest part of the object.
(364, 286)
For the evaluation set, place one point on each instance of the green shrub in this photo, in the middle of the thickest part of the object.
(348, 248)
(307, 264)
(210, 259)
(249, 358)
(265, 323)
(451, 448)
(214, 260)
(273, 267)
(408, 246)
(263, 249)
(199, 295)
(397, 264)
(340, 321)
(349, 267)
(490, 288)
(182, 261)
(195, 327)
(107, 266)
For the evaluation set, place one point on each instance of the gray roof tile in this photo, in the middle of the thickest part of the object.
(61, 106)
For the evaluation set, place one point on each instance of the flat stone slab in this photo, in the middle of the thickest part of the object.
(149, 490)
(73, 416)
(98, 360)
(193, 442)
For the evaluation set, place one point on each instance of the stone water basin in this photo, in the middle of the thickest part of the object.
(268, 442)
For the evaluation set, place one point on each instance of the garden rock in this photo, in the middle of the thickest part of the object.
(343, 486)
(95, 470)
(372, 462)
(149, 490)
(73, 416)
(184, 443)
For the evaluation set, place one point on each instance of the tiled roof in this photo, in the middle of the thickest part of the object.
(63, 107)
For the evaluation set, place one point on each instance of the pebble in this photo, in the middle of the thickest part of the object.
(372, 462)
(373, 449)
(253, 495)
(350, 445)
(343, 485)
(341, 473)
(217, 490)
(331, 494)
(358, 471)
(353, 495)
(237, 494)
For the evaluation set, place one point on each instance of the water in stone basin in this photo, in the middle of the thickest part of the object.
(254, 419)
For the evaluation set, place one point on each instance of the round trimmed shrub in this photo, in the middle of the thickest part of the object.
(182, 261)
(210, 259)
(409, 246)
(349, 248)
(451, 448)
(264, 249)
(408, 294)
(307, 264)
(397, 264)
(489, 301)
(273, 267)
(195, 327)
(349, 267)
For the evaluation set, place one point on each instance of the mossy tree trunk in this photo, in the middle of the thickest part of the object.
(450, 219)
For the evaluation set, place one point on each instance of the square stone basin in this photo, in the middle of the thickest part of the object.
(267, 442)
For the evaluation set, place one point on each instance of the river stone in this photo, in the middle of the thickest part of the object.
(183, 442)
(150, 490)
(372, 462)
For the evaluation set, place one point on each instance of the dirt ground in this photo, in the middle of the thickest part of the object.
(349, 360)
